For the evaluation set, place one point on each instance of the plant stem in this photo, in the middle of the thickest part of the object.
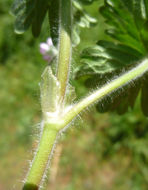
(41, 159)
(122, 80)
(64, 55)
(50, 130)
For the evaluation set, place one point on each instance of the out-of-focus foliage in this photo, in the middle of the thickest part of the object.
(29, 13)
(81, 20)
(105, 151)
(33, 13)
(20, 71)
(87, 2)
(128, 30)
(21, 66)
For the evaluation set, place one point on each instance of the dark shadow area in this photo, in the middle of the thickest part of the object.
(29, 186)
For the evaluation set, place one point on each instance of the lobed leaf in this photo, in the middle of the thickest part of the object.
(29, 13)
(81, 19)
(106, 57)
(128, 28)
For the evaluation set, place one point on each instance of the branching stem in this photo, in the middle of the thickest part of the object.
(47, 141)
(52, 126)
(122, 80)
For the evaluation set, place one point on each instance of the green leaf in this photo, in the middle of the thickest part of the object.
(127, 22)
(32, 13)
(29, 13)
(81, 19)
(54, 20)
(106, 57)
(87, 2)
(121, 99)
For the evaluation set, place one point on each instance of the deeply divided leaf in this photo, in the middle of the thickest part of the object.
(127, 22)
(29, 13)
(81, 19)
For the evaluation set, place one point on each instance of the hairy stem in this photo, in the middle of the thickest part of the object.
(64, 55)
(50, 130)
(122, 80)
(41, 159)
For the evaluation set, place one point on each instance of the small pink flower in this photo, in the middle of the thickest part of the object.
(49, 42)
(47, 58)
(44, 48)
(48, 50)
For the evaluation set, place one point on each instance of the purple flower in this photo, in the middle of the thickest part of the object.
(47, 58)
(49, 42)
(44, 48)
(48, 50)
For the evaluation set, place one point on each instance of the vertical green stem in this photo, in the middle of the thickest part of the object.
(40, 161)
(64, 55)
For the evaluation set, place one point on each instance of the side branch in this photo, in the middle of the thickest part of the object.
(122, 80)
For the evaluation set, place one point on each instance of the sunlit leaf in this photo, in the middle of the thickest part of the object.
(81, 19)
(128, 28)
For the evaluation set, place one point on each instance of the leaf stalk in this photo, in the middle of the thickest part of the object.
(97, 95)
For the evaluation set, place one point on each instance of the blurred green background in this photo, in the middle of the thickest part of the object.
(104, 151)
